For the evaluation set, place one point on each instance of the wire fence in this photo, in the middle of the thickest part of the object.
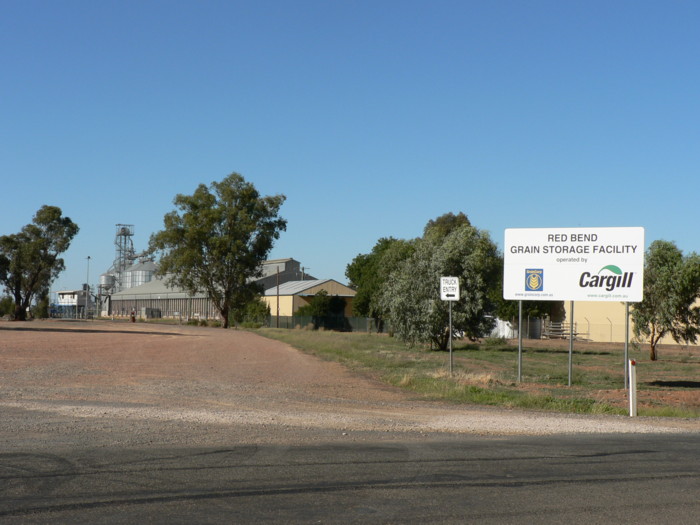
(337, 323)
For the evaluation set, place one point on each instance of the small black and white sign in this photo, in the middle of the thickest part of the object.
(449, 288)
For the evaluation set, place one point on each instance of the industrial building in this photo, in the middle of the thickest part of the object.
(129, 269)
(72, 304)
(287, 298)
(602, 322)
(155, 298)
(131, 285)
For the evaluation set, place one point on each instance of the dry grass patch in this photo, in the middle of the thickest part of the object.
(469, 378)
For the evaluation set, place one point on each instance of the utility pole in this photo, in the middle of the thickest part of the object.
(87, 288)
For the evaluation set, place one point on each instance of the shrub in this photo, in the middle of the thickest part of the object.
(7, 306)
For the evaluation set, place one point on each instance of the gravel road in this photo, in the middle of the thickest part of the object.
(105, 384)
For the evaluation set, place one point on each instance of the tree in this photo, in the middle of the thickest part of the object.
(29, 260)
(41, 311)
(671, 288)
(445, 224)
(7, 305)
(412, 293)
(217, 240)
(368, 273)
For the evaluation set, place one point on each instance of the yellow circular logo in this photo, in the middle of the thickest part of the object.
(534, 281)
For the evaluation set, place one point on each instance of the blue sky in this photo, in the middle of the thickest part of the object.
(372, 117)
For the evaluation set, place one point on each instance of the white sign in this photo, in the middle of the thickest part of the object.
(574, 264)
(449, 288)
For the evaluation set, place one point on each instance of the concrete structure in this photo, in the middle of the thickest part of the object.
(290, 296)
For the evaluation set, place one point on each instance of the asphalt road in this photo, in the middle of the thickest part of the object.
(440, 479)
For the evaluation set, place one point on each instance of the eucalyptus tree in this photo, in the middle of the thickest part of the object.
(671, 291)
(369, 273)
(30, 260)
(412, 295)
(217, 240)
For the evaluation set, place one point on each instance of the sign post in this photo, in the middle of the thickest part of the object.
(573, 264)
(449, 291)
(520, 341)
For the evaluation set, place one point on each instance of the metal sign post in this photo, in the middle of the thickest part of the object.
(627, 340)
(450, 302)
(449, 291)
(520, 341)
(571, 343)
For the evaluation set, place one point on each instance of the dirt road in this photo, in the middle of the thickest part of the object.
(107, 383)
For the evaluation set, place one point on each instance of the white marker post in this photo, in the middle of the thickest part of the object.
(633, 387)
(449, 291)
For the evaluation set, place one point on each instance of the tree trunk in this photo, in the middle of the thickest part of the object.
(20, 313)
(653, 340)
(442, 341)
(224, 317)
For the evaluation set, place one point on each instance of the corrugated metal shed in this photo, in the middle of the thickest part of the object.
(311, 288)
(153, 288)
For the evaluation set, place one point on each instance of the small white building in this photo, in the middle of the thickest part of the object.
(71, 303)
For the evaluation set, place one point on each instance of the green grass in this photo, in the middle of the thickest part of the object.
(486, 373)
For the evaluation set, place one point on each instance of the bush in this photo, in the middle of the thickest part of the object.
(7, 306)
(255, 311)
(41, 310)
(322, 305)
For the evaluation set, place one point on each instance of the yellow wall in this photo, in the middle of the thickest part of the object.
(332, 287)
(602, 321)
(286, 304)
(291, 303)
(598, 321)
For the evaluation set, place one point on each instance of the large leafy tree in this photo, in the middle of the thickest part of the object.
(368, 273)
(30, 260)
(217, 239)
(442, 226)
(412, 293)
(671, 289)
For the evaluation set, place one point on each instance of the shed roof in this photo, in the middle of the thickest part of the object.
(156, 286)
(310, 287)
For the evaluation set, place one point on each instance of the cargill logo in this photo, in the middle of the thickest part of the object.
(609, 277)
(534, 280)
